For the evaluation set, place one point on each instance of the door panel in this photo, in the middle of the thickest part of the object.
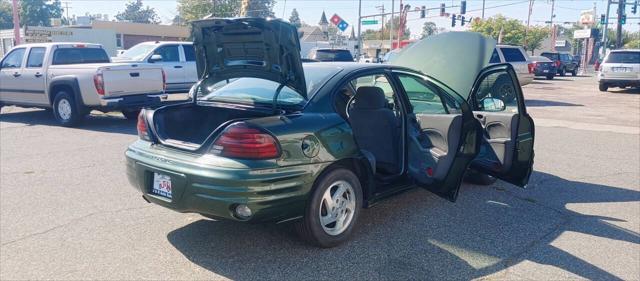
(506, 149)
(10, 72)
(33, 78)
(172, 66)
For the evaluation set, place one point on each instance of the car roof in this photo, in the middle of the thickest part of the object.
(49, 44)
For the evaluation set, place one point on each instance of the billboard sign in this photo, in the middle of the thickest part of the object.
(339, 22)
(587, 17)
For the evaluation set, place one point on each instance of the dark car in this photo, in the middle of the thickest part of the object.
(266, 139)
(564, 62)
(330, 55)
(543, 66)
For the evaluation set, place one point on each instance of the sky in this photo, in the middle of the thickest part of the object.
(310, 10)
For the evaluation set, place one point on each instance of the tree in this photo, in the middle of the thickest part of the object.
(261, 8)
(39, 12)
(512, 29)
(6, 17)
(632, 44)
(429, 28)
(295, 18)
(535, 36)
(136, 12)
(178, 20)
(198, 9)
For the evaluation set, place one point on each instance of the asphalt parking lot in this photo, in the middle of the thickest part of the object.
(68, 212)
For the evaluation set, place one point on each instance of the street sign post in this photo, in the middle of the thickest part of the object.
(369, 22)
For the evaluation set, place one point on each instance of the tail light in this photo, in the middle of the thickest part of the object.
(164, 80)
(98, 81)
(143, 130)
(557, 63)
(239, 140)
(532, 67)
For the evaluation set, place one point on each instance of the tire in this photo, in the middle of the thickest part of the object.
(550, 77)
(503, 89)
(131, 114)
(311, 229)
(479, 178)
(603, 87)
(574, 72)
(65, 110)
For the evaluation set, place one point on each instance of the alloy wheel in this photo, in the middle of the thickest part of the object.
(64, 109)
(337, 207)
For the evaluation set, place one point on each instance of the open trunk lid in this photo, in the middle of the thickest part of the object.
(249, 47)
(131, 79)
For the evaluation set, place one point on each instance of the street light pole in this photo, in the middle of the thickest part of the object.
(621, 4)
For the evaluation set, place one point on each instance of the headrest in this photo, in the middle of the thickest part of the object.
(369, 97)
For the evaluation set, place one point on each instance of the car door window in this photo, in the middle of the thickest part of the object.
(189, 52)
(423, 97)
(497, 93)
(36, 57)
(169, 53)
(13, 59)
(380, 81)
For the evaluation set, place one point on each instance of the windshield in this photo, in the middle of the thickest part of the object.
(260, 91)
(623, 57)
(138, 52)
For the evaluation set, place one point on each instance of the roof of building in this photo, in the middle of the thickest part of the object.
(312, 34)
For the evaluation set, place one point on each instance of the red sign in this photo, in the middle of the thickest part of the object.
(335, 19)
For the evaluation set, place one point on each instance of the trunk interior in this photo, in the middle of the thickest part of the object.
(189, 126)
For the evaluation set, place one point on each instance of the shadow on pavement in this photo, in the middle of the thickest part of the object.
(624, 91)
(419, 236)
(95, 122)
(542, 103)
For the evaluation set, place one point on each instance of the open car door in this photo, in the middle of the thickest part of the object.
(442, 135)
(506, 147)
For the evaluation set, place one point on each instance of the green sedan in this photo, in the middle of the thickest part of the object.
(268, 139)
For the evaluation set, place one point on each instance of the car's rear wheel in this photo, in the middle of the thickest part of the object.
(65, 109)
(332, 210)
(550, 76)
(563, 72)
(131, 114)
(603, 87)
(574, 72)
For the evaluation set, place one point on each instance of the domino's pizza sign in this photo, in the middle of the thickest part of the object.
(339, 22)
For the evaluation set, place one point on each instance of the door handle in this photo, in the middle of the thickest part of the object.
(16, 74)
(38, 74)
(177, 66)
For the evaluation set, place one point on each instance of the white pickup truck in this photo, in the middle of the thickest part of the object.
(75, 78)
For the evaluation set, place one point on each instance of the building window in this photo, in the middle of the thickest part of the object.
(119, 40)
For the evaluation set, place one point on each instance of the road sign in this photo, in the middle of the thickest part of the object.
(369, 22)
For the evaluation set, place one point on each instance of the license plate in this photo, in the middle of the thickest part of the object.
(161, 185)
(545, 71)
(621, 69)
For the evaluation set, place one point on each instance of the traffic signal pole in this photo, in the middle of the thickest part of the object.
(605, 31)
(619, 27)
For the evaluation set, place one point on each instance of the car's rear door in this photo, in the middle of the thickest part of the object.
(506, 149)
(442, 136)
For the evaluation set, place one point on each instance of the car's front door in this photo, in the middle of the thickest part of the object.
(172, 66)
(506, 149)
(32, 80)
(442, 136)
(10, 72)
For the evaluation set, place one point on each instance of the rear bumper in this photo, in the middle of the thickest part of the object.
(620, 82)
(541, 72)
(134, 101)
(273, 195)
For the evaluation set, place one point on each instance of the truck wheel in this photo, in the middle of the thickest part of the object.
(563, 72)
(476, 177)
(131, 114)
(603, 87)
(550, 76)
(574, 72)
(332, 210)
(65, 110)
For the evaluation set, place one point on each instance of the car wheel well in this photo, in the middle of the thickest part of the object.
(57, 89)
(358, 167)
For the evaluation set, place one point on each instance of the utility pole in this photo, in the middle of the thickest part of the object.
(621, 4)
(551, 28)
(393, 10)
(381, 8)
(605, 40)
(526, 31)
(359, 29)
(66, 10)
(16, 23)
(483, 9)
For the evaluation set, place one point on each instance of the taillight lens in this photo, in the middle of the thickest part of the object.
(164, 80)
(532, 67)
(98, 81)
(557, 63)
(143, 130)
(239, 140)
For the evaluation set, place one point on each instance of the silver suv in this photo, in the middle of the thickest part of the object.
(620, 68)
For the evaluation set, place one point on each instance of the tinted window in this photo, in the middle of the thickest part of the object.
(168, 53)
(79, 56)
(495, 58)
(36, 57)
(333, 55)
(550, 56)
(623, 57)
(512, 54)
(189, 52)
(13, 59)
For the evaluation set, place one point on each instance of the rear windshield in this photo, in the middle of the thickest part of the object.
(333, 55)
(550, 56)
(623, 57)
(79, 56)
(259, 91)
(512, 54)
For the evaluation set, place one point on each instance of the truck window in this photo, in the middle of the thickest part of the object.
(169, 53)
(79, 56)
(495, 58)
(36, 57)
(13, 59)
(189, 52)
(512, 55)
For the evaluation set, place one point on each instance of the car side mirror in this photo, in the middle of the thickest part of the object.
(155, 58)
(493, 104)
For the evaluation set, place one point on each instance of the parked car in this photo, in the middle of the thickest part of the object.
(177, 59)
(543, 66)
(325, 54)
(518, 58)
(315, 143)
(564, 62)
(620, 68)
(74, 78)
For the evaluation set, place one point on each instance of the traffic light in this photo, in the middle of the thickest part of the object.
(453, 20)
(423, 12)
(463, 7)
(602, 19)
(442, 9)
(623, 19)
(462, 21)
(634, 7)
